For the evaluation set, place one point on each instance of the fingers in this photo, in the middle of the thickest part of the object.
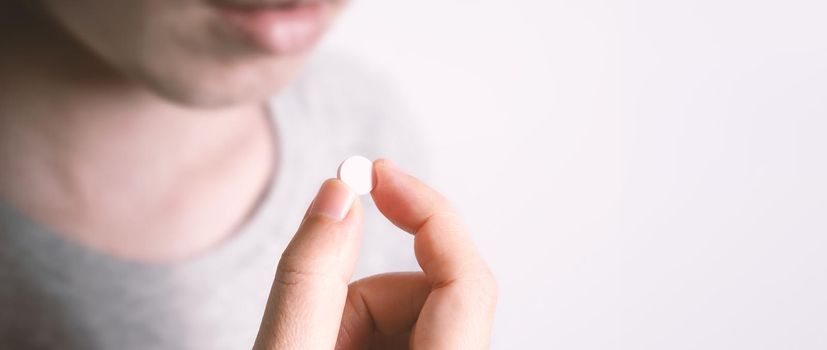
(381, 310)
(460, 306)
(442, 244)
(309, 291)
(450, 306)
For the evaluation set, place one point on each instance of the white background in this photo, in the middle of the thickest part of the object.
(640, 174)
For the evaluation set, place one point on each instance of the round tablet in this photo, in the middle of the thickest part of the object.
(357, 173)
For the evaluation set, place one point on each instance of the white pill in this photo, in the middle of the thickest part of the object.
(357, 173)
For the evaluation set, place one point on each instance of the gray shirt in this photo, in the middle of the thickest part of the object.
(55, 293)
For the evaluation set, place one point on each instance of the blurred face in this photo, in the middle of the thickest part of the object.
(200, 52)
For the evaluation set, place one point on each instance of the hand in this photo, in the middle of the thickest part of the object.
(450, 305)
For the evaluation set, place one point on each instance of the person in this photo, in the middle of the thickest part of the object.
(155, 160)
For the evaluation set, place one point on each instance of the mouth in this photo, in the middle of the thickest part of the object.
(253, 5)
(277, 26)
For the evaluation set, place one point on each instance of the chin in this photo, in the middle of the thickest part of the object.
(217, 95)
(222, 87)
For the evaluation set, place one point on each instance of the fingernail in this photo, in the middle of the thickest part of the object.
(333, 200)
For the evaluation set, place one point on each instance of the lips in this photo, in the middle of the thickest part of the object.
(278, 27)
(259, 4)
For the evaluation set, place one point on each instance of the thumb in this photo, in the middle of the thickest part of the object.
(308, 295)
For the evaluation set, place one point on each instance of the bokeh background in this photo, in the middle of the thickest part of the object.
(640, 174)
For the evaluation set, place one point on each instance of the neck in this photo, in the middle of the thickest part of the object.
(73, 132)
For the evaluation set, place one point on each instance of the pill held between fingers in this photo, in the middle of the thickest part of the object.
(357, 173)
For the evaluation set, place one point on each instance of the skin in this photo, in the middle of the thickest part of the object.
(450, 305)
(94, 91)
(137, 128)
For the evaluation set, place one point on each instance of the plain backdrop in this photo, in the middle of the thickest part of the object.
(639, 174)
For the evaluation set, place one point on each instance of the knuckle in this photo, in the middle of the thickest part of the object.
(291, 273)
(290, 277)
(443, 220)
(487, 287)
(491, 288)
(480, 286)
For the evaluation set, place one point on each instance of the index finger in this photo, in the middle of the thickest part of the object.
(459, 309)
(442, 244)
(309, 290)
